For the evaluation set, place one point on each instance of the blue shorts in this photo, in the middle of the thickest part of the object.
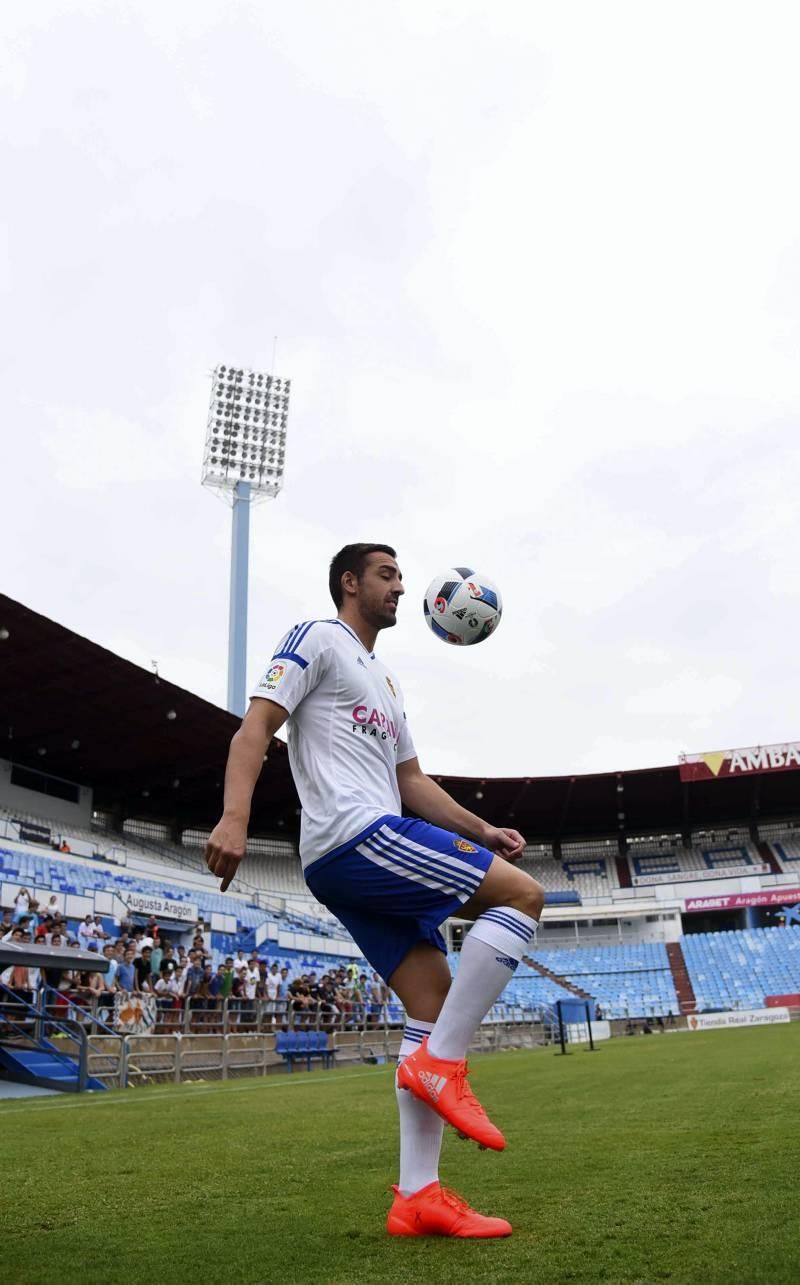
(395, 883)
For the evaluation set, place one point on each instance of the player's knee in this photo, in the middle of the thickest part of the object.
(529, 897)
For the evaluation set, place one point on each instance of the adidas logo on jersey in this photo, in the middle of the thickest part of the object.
(432, 1084)
(360, 662)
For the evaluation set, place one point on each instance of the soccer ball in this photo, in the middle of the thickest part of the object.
(462, 606)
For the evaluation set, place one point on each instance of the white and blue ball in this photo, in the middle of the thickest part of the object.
(463, 606)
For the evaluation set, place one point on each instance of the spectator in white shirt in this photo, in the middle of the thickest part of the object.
(272, 982)
(18, 931)
(99, 931)
(86, 932)
(22, 903)
(251, 979)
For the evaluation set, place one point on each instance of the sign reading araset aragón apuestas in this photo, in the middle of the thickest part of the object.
(723, 763)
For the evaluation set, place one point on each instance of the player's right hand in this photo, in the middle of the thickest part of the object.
(225, 849)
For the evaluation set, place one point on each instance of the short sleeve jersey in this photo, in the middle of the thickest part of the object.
(347, 732)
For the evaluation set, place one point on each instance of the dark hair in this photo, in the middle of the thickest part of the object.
(352, 557)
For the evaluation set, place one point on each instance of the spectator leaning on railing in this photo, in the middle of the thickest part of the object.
(193, 976)
(227, 978)
(23, 981)
(143, 970)
(126, 972)
(110, 976)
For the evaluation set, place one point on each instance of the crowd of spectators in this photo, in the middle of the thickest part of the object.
(141, 962)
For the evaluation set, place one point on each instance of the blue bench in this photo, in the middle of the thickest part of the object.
(303, 1045)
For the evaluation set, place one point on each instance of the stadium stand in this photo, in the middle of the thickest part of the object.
(730, 970)
(731, 852)
(55, 872)
(528, 990)
(158, 863)
(583, 869)
(787, 851)
(627, 981)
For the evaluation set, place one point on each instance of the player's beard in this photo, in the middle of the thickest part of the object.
(379, 614)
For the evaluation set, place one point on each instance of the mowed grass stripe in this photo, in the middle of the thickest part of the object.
(144, 1096)
(661, 1158)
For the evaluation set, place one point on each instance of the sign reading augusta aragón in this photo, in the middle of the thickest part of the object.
(717, 764)
(141, 904)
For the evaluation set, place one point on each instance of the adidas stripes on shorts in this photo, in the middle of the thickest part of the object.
(395, 883)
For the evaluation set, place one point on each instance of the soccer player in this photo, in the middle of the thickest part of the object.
(392, 881)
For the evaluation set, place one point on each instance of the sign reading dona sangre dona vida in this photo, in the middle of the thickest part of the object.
(717, 764)
(141, 904)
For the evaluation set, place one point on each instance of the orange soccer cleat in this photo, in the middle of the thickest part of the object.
(436, 1211)
(443, 1085)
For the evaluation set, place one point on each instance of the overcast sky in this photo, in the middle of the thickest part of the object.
(534, 271)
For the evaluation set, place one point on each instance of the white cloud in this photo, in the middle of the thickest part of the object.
(533, 274)
(686, 695)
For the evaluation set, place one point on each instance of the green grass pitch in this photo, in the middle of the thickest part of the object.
(669, 1158)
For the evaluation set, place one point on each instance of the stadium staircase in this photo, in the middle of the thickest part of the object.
(27, 1056)
(556, 977)
(680, 978)
(44, 1066)
(768, 856)
(623, 872)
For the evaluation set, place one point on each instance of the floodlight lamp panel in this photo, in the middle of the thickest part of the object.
(246, 430)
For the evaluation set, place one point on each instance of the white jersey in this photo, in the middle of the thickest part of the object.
(347, 732)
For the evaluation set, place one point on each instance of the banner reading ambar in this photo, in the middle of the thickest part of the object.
(717, 764)
(746, 1017)
(737, 900)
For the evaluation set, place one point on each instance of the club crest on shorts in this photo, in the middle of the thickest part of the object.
(390, 685)
(463, 846)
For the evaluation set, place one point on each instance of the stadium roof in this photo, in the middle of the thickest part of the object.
(33, 955)
(74, 710)
(57, 688)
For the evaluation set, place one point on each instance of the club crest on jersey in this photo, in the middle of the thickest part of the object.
(463, 846)
(273, 675)
(390, 685)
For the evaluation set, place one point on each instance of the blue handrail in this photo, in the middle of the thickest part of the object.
(94, 1018)
(65, 1024)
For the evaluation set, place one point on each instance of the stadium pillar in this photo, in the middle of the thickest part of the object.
(237, 618)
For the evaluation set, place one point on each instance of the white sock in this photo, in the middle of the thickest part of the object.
(421, 1128)
(492, 949)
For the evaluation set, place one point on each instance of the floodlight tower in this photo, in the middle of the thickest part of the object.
(243, 462)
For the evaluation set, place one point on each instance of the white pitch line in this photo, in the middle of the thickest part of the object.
(156, 1095)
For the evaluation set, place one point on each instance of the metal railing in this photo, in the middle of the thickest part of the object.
(29, 1023)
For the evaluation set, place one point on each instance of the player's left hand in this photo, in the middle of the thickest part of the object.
(505, 843)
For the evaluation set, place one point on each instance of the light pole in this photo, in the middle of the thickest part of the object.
(243, 461)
